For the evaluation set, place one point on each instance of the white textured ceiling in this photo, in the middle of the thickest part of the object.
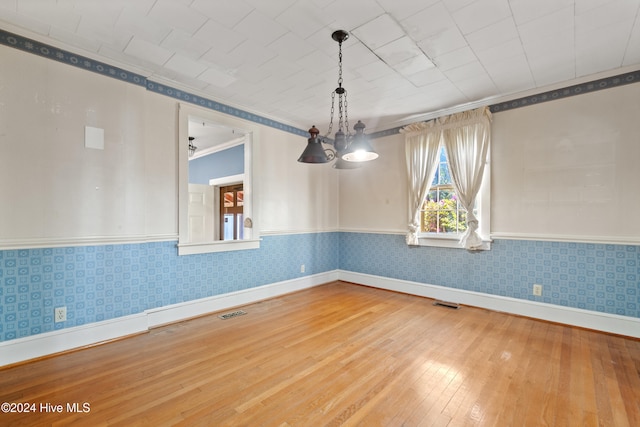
(404, 61)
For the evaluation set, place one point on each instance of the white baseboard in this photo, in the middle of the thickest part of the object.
(177, 312)
(48, 343)
(605, 322)
(40, 345)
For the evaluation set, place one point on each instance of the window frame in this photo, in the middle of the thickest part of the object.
(251, 233)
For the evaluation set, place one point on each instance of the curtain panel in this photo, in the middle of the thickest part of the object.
(422, 143)
(466, 138)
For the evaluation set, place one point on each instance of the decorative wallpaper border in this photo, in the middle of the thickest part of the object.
(59, 55)
(56, 54)
(579, 89)
(217, 106)
(552, 95)
(79, 61)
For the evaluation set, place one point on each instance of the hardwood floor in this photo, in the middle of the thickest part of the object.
(340, 354)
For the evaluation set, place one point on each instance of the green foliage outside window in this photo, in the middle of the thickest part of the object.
(442, 213)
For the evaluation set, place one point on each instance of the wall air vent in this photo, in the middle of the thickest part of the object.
(233, 314)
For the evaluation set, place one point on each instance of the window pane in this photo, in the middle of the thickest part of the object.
(228, 199)
(227, 232)
(240, 196)
(445, 176)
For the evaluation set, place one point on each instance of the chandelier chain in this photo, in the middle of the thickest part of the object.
(346, 114)
(333, 98)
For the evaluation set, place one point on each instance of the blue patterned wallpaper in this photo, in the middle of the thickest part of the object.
(596, 277)
(103, 282)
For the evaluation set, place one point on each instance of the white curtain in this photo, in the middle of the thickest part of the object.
(422, 143)
(466, 137)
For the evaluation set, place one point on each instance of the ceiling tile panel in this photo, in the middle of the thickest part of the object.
(304, 19)
(426, 77)
(272, 8)
(226, 12)
(553, 68)
(374, 71)
(455, 59)
(429, 22)
(623, 11)
(446, 41)
(177, 15)
(501, 52)
(455, 5)
(493, 35)
(601, 46)
(105, 34)
(185, 66)
(291, 47)
(465, 72)
(65, 19)
(146, 51)
(259, 28)
(73, 39)
(511, 75)
(216, 37)
(526, 10)
(403, 9)
(353, 13)
(216, 77)
(191, 47)
(557, 25)
(106, 13)
(478, 87)
(398, 51)
(379, 32)
(135, 22)
(481, 14)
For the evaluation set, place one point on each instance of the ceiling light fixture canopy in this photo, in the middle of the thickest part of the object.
(349, 149)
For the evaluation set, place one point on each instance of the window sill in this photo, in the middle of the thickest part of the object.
(440, 241)
(218, 246)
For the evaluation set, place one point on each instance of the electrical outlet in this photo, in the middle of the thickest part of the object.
(537, 290)
(302, 268)
(60, 314)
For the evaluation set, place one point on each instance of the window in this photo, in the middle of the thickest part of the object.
(190, 227)
(442, 212)
(443, 218)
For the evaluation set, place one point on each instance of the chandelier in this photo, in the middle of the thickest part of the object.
(192, 148)
(348, 148)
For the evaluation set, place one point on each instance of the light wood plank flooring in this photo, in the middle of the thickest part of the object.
(341, 354)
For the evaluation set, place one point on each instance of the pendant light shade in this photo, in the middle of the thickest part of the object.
(359, 150)
(314, 153)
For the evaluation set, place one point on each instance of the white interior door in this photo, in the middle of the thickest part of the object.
(201, 213)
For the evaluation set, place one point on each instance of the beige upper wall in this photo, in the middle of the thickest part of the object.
(566, 169)
(374, 196)
(53, 188)
(569, 167)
